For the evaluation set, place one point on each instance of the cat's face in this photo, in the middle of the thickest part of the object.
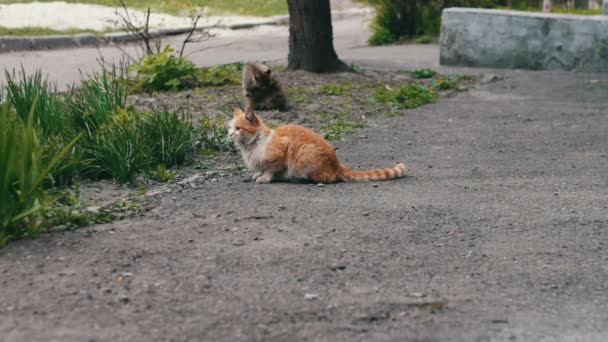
(244, 126)
(256, 76)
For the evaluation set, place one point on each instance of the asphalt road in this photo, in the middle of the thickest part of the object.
(266, 43)
(499, 233)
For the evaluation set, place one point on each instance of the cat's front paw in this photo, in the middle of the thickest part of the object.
(256, 175)
(264, 178)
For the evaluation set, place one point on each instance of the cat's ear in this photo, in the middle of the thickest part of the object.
(250, 115)
(237, 111)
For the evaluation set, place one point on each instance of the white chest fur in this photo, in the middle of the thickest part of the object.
(255, 155)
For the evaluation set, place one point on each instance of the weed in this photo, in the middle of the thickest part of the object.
(336, 89)
(337, 129)
(169, 135)
(213, 136)
(409, 95)
(423, 73)
(426, 39)
(355, 68)
(99, 98)
(40, 31)
(49, 113)
(446, 83)
(23, 170)
(299, 95)
(119, 150)
(164, 71)
(381, 36)
(161, 174)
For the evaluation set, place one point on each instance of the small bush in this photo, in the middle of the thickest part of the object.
(423, 73)
(409, 95)
(164, 71)
(404, 19)
(337, 129)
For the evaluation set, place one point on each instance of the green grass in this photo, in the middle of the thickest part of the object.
(24, 167)
(241, 7)
(337, 129)
(445, 83)
(336, 89)
(409, 95)
(40, 31)
(423, 73)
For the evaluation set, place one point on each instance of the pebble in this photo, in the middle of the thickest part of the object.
(311, 296)
(417, 294)
(320, 185)
(238, 243)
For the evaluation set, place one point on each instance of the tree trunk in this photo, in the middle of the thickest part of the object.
(311, 44)
(547, 6)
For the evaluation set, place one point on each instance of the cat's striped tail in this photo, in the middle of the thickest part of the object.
(349, 175)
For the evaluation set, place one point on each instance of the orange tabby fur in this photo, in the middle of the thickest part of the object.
(293, 152)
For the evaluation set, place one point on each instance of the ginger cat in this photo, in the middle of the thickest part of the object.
(262, 88)
(293, 152)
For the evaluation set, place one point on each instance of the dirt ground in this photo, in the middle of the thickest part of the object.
(499, 233)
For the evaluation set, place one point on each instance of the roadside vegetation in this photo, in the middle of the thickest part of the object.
(420, 21)
(41, 31)
(49, 141)
(262, 8)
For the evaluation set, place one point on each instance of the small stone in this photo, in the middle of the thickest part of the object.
(238, 243)
(92, 210)
(337, 267)
(320, 185)
(488, 78)
(311, 296)
(366, 213)
(417, 294)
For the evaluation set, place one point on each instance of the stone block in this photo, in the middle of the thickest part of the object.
(525, 40)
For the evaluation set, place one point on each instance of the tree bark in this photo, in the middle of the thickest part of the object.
(311, 44)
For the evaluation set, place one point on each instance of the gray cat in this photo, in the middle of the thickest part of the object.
(262, 89)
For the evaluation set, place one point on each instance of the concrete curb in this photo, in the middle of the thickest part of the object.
(12, 43)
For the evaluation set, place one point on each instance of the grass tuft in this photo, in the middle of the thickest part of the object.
(337, 129)
(409, 95)
(423, 73)
(336, 89)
